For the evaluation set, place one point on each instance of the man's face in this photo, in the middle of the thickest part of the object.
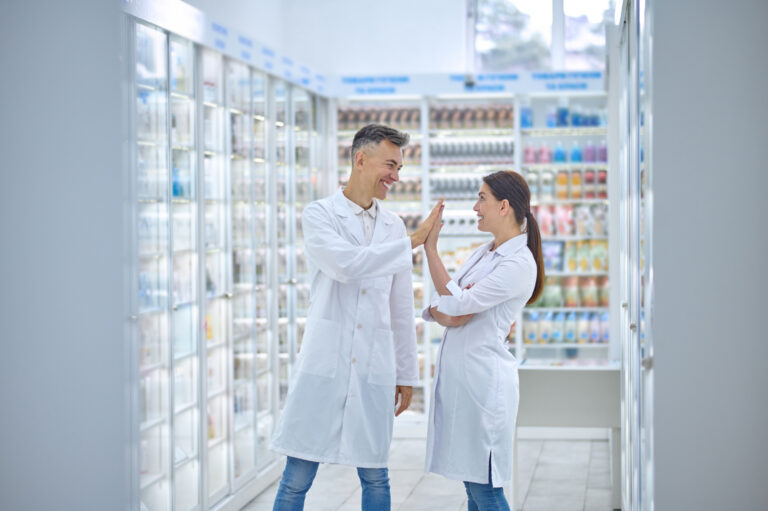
(380, 167)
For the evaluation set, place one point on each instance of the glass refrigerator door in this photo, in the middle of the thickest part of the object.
(153, 179)
(217, 289)
(185, 313)
(303, 189)
(264, 371)
(284, 262)
(239, 119)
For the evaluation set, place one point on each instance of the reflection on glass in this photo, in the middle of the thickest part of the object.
(513, 35)
(585, 33)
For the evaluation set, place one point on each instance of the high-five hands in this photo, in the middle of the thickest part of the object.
(419, 236)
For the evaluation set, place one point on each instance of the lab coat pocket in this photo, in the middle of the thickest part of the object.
(319, 353)
(381, 367)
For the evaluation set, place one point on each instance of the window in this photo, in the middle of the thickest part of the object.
(520, 35)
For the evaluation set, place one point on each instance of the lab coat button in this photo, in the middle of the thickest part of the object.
(354, 360)
(359, 326)
(364, 291)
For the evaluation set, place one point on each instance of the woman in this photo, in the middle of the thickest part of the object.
(473, 413)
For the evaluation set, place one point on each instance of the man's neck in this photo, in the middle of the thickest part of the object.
(357, 194)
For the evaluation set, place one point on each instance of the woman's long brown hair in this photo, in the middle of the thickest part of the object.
(509, 185)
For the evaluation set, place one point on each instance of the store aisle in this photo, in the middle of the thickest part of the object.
(554, 475)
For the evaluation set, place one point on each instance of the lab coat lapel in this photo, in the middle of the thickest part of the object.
(468, 264)
(349, 220)
(382, 226)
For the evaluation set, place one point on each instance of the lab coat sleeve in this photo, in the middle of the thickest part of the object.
(344, 261)
(403, 327)
(426, 314)
(512, 278)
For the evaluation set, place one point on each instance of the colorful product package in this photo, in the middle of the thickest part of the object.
(564, 219)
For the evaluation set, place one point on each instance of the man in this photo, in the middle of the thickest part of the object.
(358, 357)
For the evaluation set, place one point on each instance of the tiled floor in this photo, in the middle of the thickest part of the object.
(554, 475)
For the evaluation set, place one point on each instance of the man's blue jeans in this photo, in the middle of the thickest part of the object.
(299, 474)
(484, 497)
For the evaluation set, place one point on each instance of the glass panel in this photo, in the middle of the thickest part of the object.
(185, 318)
(513, 35)
(153, 469)
(217, 371)
(215, 273)
(186, 486)
(153, 177)
(244, 454)
(217, 446)
(216, 322)
(585, 33)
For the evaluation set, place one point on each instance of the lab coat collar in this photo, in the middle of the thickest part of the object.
(512, 245)
(351, 223)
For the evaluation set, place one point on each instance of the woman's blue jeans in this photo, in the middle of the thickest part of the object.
(299, 474)
(484, 497)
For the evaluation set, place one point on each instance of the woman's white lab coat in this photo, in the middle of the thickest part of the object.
(476, 390)
(359, 342)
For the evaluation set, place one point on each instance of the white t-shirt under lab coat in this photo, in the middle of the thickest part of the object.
(476, 387)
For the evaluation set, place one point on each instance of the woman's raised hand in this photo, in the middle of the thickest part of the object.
(419, 236)
(434, 233)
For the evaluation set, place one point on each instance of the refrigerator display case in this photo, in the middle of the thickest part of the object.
(224, 162)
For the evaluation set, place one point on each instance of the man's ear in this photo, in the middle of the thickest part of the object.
(359, 158)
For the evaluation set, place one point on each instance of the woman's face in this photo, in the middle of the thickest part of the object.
(488, 209)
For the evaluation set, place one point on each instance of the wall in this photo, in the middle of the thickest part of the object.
(260, 19)
(710, 188)
(64, 419)
(353, 37)
(399, 36)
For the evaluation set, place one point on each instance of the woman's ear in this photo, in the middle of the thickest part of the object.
(505, 208)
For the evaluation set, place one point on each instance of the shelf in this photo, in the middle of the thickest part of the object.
(472, 132)
(570, 131)
(591, 345)
(181, 95)
(150, 143)
(215, 442)
(152, 255)
(471, 170)
(576, 273)
(211, 104)
(184, 356)
(565, 166)
(184, 408)
(149, 480)
(151, 200)
(244, 422)
(178, 464)
(145, 87)
(152, 310)
(566, 309)
(179, 147)
(146, 426)
(217, 393)
(210, 346)
(559, 202)
(573, 238)
(143, 371)
(183, 305)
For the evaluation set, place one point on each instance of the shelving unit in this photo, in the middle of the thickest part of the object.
(225, 162)
(463, 138)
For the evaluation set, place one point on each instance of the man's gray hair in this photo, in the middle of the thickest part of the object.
(373, 134)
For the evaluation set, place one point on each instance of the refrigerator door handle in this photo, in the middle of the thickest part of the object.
(647, 363)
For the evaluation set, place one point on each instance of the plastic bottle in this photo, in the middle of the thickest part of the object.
(561, 184)
(576, 153)
(545, 154)
(558, 328)
(605, 328)
(570, 328)
(602, 152)
(551, 117)
(545, 327)
(562, 116)
(526, 116)
(531, 328)
(582, 328)
(559, 156)
(529, 154)
(589, 152)
(594, 327)
(576, 188)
